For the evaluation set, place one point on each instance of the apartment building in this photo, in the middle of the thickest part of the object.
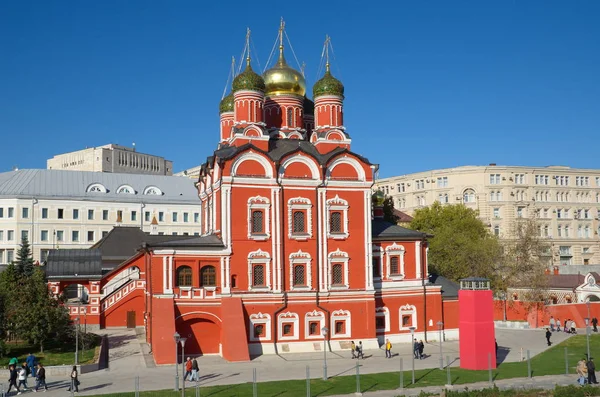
(75, 209)
(565, 201)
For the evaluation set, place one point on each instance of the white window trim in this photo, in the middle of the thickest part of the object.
(259, 257)
(288, 317)
(300, 203)
(149, 191)
(341, 315)
(313, 316)
(394, 250)
(259, 203)
(408, 310)
(121, 189)
(385, 313)
(92, 188)
(338, 257)
(305, 259)
(337, 204)
(256, 319)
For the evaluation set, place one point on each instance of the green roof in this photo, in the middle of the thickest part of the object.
(226, 104)
(248, 80)
(328, 85)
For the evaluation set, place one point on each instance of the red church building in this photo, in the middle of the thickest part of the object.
(292, 247)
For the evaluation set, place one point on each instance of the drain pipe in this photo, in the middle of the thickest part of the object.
(281, 237)
(423, 276)
(318, 240)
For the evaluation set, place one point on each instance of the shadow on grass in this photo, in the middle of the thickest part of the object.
(322, 392)
(96, 387)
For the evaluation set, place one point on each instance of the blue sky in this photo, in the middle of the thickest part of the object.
(429, 84)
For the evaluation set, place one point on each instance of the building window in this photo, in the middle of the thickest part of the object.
(1, 212)
(186, 217)
(401, 187)
(407, 321)
(90, 215)
(259, 330)
(494, 179)
(337, 274)
(288, 329)
(299, 218)
(147, 216)
(10, 256)
(61, 213)
(394, 266)
(233, 281)
(395, 260)
(299, 275)
(380, 322)
(259, 327)
(196, 217)
(496, 212)
(376, 267)
(382, 319)
(257, 222)
(313, 328)
(119, 215)
(44, 213)
(289, 117)
(520, 179)
(184, 276)
(10, 235)
(520, 212)
(60, 236)
(75, 214)
(442, 181)
(496, 230)
(258, 218)
(340, 327)
(105, 233)
(299, 222)
(104, 215)
(44, 235)
(408, 317)
(161, 216)
(133, 216)
(24, 235)
(90, 236)
(443, 198)
(208, 276)
(11, 212)
(25, 212)
(125, 189)
(338, 218)
(469, 196)
(258, 275)
(335, 222)
(174, 217)
(75, 236)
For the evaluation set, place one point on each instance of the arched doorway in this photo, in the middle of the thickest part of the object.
(204, 334)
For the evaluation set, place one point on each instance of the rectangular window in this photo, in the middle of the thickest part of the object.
(376, 267)
(335, 222)
(11, 212)
(196, 217)
(90, 236)
(1, 235)
(259, 330)
(313, 328)
(90, 215)
(520, 212)
(75, 236)
(1, 212)
(44, 235)
(161, 216)
(407, 321)
(497, 230)
(340, 327)
(442, 181)
(258, 275)
(288, 329)
(133, 216)
(186, 217)
(10, 256)
(44, 213)
(298, 218)
(10, 235)
(60, 213)
(24, 235)
(24, 212)
(401, 188)
(494, 179)
(104, 215)
(257, 221)
(394, 265)
(1, 256)
(147, 216)
(174, 216)
(75, 214)
(496, 212)
(119, 215)
(60, 235)
(337, 274)
(299, 275)
(380, 322)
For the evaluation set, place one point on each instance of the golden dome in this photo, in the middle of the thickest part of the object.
(281, 79)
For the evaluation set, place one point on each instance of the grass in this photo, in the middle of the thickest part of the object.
(54, 353)
(550, 362)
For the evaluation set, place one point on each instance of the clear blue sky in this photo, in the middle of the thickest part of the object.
(429, 84)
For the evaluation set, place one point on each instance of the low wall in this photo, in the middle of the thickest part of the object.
(537, 315)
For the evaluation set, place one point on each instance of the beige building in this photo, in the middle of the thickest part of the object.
(111, 158)
(192, 173)
(75, 209)
(565, 201)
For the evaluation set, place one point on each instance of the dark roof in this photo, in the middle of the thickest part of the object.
(569, 281)
(210, 242)
(402, 216)
(449, 287)
(74, 263)
(384, 230)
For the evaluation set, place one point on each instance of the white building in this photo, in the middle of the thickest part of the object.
(565, 201)
(75, 209)
(111, 158)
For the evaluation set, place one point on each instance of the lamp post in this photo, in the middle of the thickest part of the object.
(587, 335)
(76, 321)
(440, 326)
(412, 341)
(324, 331)
(182, 341)
(176, 338)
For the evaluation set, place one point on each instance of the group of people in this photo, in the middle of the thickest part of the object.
(191, 370)
(18, 376)
(357, 350)
(569, 325)
(418, 348)
(586, 369)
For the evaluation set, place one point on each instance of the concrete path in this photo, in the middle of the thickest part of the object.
(128, 362)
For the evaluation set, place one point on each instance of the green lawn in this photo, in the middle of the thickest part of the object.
(551, 362)
(54, 353)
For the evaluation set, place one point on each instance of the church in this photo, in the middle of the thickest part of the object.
(293, 250)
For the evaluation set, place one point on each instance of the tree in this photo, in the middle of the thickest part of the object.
(461, 246)
(24, 262)
(388, 209)
(9, 283)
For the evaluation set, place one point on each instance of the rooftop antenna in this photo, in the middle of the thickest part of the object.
(302, 68)
(230, 76)
(248, 46)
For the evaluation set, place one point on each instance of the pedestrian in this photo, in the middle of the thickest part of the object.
(388, 349)
(74, 380)
(12, 380)
(195, 370)
(595, 324)
(573, 327)
(552, 323)
(582, 372)
(30, 360)
(22, 374)
(359, 351)
(421, 348)
(188, 369)
(591, 370)
(41, 378)
(416, 348)
(558, 324)
(353, 347)
(548, 335)
(566, 328)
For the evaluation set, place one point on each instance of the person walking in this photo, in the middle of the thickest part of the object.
(40, 378)
(12, 380)
(582, 372)
(558, 324)
(74, 380)
(195, 370)
(359, 351)
(188, 369)
(30, 360)
(595, 324)
(22, 374)
(591, 370)
(573, 327)
(552, 323)
(353, 347)
(548, 335)
(566, 328)
(416, 348)
(421, 348)
(388, 349)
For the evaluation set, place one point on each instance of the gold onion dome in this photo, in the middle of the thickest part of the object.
(248, 80)
(226, 104)
(281, 79)
(328, 85)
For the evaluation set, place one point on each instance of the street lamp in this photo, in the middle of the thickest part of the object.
(440, 326)
(182, 341)
(324, 331)
(587, 335)
(412, 340)
(76, 321)
(176, 338)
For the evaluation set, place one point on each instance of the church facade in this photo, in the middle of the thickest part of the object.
(293, 251)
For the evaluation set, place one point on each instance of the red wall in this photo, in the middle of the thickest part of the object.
(477, 332)
(538, 315)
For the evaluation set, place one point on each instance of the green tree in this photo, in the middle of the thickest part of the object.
(24, 262)
(461, 246)
(388, 209)
(10, 282)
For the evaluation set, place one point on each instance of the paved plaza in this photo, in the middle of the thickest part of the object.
(128, 361)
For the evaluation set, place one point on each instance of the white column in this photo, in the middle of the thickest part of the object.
(274, 254)
(277, 234)
(171, 274)
(368, 242)
(165, 275)
(418, 258)
(224, 286)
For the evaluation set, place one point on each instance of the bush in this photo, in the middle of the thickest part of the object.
(576, 391)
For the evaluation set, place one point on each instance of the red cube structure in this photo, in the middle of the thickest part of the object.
(477, 341)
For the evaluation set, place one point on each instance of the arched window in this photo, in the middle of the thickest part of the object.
(335, 222)
(125, 189)
(153, 191)
(208, 276)
(299, 275)
(469, 196)
(290, 117)
(184, 276)
(96, 188)
(299, 222)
